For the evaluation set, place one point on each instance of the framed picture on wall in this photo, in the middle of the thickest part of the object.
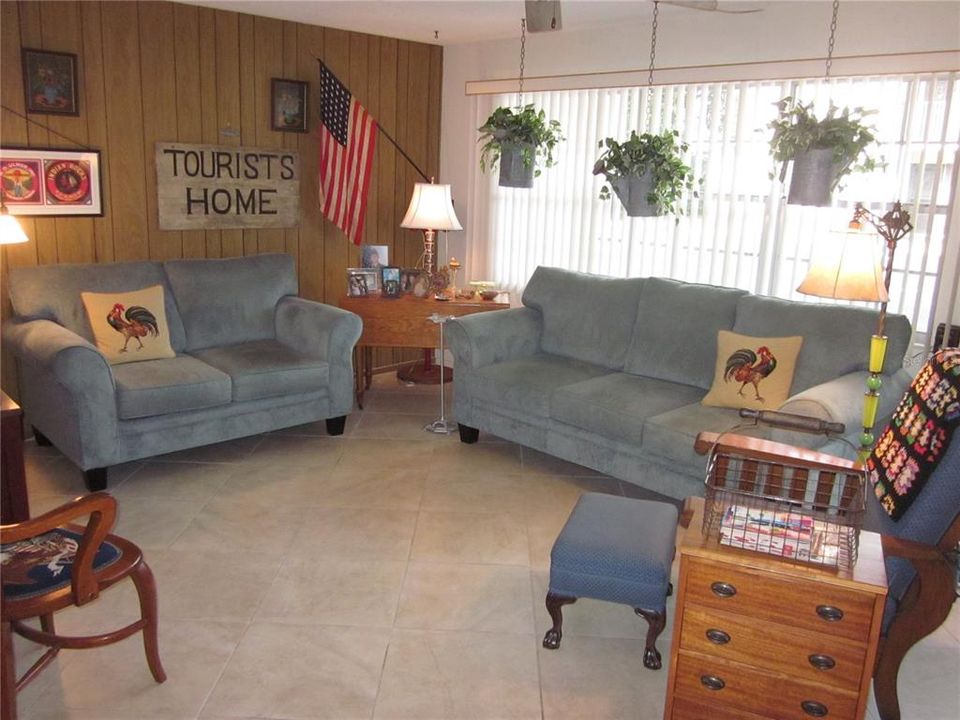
(51, 182)
(50, 82)
(288, 105)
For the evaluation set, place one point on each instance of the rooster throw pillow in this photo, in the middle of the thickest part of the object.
(753, 372)
(129, 326)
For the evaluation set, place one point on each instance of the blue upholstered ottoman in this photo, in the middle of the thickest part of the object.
(617, 549)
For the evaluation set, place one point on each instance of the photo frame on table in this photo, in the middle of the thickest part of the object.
(409, 278)
(390, 281)
(288, 105)
(50, 82)
(51, 182)
(361, 281)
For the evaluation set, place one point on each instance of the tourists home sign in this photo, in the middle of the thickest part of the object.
(209, 187)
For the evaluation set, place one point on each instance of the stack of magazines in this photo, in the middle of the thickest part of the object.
(785, 534)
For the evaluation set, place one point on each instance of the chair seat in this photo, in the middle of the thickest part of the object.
(43, 565)
(617, 549)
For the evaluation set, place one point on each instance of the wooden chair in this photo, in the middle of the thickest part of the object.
(919, 553)
(48, 566)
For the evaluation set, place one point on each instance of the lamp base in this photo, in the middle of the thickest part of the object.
(440, 427)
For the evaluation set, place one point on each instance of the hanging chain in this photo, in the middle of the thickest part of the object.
(523, 52)
(833, 36)
(653, 41)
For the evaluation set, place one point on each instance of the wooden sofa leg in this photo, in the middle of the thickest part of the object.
(335, 425)
(468, 434)
(42, 440)
(655, 624)
(555, 602)
(95, 479)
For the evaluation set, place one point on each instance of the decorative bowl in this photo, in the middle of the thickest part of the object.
(489, 294)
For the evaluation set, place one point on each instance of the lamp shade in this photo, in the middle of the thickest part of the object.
(10, 230)
(846, 266)
(431, 208)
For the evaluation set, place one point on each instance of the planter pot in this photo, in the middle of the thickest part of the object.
(513, 173)
(632, 191)
(813, 178)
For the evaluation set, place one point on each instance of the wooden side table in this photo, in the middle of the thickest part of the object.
(13, 482)
(759, 637)
(404, 322)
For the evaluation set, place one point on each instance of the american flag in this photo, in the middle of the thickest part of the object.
(348, 135)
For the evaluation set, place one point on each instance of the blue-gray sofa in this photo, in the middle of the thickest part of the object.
(250, 357)
(609, 373)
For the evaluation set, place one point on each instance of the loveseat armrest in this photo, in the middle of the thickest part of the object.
(325, 332)
(490, 337)
(50, 352)
(841, 401)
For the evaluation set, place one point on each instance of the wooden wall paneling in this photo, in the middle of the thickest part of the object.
(337, 250)
(312, 233)
(61, 31)
(268, 63)
(406, 174)
(358, 82)
(121, 57)
(94, 105)
(373, 100)
(291, 141)
(228, 104)
(45, 231)
(248, 104)
(210, 127)
(158, 68)
(186, 42)
(434, 104)
(387, 156)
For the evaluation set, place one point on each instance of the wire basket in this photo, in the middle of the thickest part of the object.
(794, 508)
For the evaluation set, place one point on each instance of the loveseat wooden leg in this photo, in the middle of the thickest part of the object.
(95, 479)
(554, 603)
(42, 440)
(468, 434)
(335, 425)
(655, 624)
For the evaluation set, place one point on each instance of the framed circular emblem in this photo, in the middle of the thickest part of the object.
(20, 181)
(67, 181)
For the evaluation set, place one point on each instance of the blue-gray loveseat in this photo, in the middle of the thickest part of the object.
(609, 373)
(250, 357)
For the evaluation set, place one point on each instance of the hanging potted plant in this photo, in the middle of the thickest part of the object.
(520, 140)
(823, 151)
(647, 172)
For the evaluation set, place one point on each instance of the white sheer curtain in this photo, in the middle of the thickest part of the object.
(739, 231)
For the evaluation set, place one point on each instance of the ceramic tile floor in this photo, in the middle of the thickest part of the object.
(388, 573)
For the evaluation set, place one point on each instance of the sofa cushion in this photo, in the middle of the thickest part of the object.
(836, 340)
(585, 317)
(130, 326)
(230, 301)
(658, 350)
(169, 385)
(616, 405)
(753, 372)
(52, 292)
(267, 368)
(528, 383)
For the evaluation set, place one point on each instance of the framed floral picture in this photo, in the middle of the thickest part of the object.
(50, 82)
(51, 182)
(288, 105)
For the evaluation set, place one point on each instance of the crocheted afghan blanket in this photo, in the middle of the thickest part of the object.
(918, 434)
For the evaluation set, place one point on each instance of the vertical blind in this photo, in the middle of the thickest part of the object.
(739, 231)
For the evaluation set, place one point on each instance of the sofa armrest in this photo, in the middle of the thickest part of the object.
(841, 401)
(76, 367)
(326, 332)
(490, 337)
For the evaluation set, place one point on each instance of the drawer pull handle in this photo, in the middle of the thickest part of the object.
(830, 613)
(724, 590)
(712, 682)
(814, 708)
(822, 662)
(718, 637)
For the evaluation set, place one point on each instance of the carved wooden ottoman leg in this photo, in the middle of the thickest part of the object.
(655, 622)
(555, 602)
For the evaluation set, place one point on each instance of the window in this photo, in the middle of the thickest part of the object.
(739, 232)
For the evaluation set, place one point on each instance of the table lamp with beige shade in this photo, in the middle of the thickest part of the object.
(431, 209)
(10, 231)
(846, 266)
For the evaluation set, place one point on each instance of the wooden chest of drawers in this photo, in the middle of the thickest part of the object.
(758, 637)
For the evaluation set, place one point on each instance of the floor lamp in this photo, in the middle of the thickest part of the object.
(847, 267)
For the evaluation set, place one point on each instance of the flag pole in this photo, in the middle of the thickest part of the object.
(387, 135)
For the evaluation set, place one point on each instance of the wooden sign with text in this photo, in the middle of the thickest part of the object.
(211, 187)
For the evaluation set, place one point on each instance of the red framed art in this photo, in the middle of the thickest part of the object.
(51, 182)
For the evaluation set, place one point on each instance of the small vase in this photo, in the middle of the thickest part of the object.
(633, 191)
(813, 178)
(513, 172)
